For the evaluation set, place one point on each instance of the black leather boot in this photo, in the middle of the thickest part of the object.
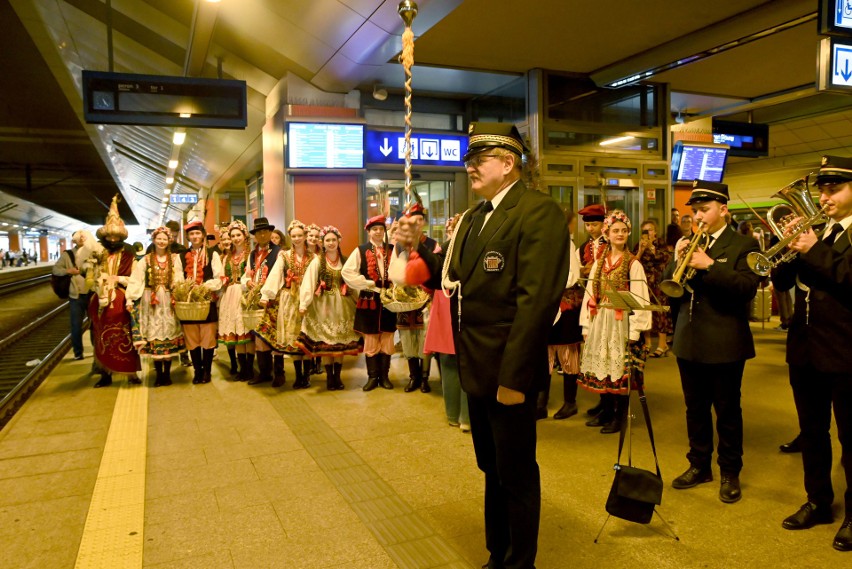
(614, 425)
(158, 368)
(606, 413)
(317, 366)
(329, 378)
(241, 361)
(167, 373)
(569, 391)
(415, 374)
(338, 383)
(232, 354)
(542, 399)
(105, 380)
(278, 367)
(264, 366)
(424, 386)
(249, 374)
(384, 370)
(207, 362)
(197, 365)
(372, 373)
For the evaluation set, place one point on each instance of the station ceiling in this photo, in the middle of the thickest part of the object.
(737, 58)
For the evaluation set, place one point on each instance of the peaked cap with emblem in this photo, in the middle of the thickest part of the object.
(703, 191)
(834, 170)
(486, 135)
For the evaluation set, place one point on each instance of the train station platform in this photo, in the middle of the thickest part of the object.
(227, 475)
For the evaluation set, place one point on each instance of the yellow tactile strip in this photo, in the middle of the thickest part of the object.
(112, 537)
(408, 539)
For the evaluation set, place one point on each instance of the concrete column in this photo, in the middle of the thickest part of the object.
(14, 241)
(43, 249)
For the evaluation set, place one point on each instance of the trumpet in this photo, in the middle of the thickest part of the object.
(674, 287)
(798, 203)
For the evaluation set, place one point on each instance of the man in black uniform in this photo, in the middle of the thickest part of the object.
(712, 341)
(508, 258)
(819, 347)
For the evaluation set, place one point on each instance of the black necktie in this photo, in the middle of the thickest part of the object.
(836, 230)
(475, 228)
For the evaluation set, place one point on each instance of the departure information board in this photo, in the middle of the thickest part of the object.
(694, 162)
(325, 145)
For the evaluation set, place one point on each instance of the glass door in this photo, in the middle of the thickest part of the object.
(385, 195)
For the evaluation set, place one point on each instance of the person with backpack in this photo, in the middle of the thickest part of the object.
(77, 292)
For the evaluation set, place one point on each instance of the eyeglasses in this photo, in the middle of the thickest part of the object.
(477, 160)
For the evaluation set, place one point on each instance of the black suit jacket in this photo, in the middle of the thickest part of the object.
(717, 330)
(510, 286)
(820, 334)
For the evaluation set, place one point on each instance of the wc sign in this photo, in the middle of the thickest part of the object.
(427, 149)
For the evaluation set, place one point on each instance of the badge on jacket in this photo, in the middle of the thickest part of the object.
(493, 262)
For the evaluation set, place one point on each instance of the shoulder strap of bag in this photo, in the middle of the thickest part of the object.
(624, 424)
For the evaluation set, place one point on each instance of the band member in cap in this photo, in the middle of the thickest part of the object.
(232, 331)
(411, 324)
(507, 267)
(261, 261)
(156, 331)
(282, 286)
(203, 266)
(109, 266)
(328, 310)
(819, 347)
(712, 341)
(366, 271)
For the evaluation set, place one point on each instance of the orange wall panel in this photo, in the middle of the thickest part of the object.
(329, 200)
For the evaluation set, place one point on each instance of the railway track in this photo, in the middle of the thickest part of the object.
(23, 284)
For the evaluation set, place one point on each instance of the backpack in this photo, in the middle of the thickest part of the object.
(62, 285)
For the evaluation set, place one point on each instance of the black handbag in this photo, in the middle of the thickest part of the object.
(635, 492)
(61, 285)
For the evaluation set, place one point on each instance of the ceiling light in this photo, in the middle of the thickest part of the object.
(186, 115)
(179, 137)
(173, 164)
(374, 182)
(616, 140)
(170, 180)
(167, 191)
(379, 93)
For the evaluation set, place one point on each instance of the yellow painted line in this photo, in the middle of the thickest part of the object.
(113, 535)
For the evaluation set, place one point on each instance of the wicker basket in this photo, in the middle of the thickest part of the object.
(192, 311)
(404, 299)
(251, 318)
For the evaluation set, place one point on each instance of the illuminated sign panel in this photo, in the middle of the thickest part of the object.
(834, 71)
(325, 145)
(183, 198)
(835, 17)
(388, 147)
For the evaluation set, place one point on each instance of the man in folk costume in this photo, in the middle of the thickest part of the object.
(203, 266)
(261, 261)
(366, 270)
(110, 267)
(411, 324)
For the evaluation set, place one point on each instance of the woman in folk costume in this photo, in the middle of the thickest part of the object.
(157, 331)
(283, 284)
(328, 311)
(312, 233)
(203, 266)
(612, 345)
(110, 265)
(232, 331)
(366, 271)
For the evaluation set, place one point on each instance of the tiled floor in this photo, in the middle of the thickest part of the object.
(247, 477)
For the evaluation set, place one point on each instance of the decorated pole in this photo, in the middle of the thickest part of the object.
(407, 11)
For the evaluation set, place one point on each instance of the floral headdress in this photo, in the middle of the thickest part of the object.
(161, 229)
(237, 224)
(329, 229)
(296, 223)
(312, 227)
(615, 216)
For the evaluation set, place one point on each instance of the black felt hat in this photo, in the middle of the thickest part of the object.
(834, 170)
(485, 135)
(260, 224)
(703, 191)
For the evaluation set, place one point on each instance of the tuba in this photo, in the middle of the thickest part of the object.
(798, 203)
(674, 287)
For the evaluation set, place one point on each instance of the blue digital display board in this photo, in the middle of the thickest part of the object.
(698, 162)
(183, 198)
(388, 147)
(325, 145)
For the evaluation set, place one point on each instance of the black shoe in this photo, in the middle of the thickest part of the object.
(598, 421)
(808, 516)
(729, 491)
(385, 383)
(278, 381)
(424, 387)
(595, 411)
(613, 426)
(104, 381)
(133, 380)
(843, 539)
(413, 385)
(372, 383)
(540, 413)
(567, 410)
(793, 446)
(692, 477)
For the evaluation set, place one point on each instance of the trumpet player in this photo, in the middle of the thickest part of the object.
(819, 347)
(712, 339)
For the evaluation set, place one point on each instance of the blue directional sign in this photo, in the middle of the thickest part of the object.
(183, 198)
(835, 65)
(835, 17)
(388, 147)
(843, 14)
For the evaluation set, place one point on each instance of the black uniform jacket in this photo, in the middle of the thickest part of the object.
(717, 330)
(510, 287)
(820, 334)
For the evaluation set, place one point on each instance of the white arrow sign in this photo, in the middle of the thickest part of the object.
(385, 148)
